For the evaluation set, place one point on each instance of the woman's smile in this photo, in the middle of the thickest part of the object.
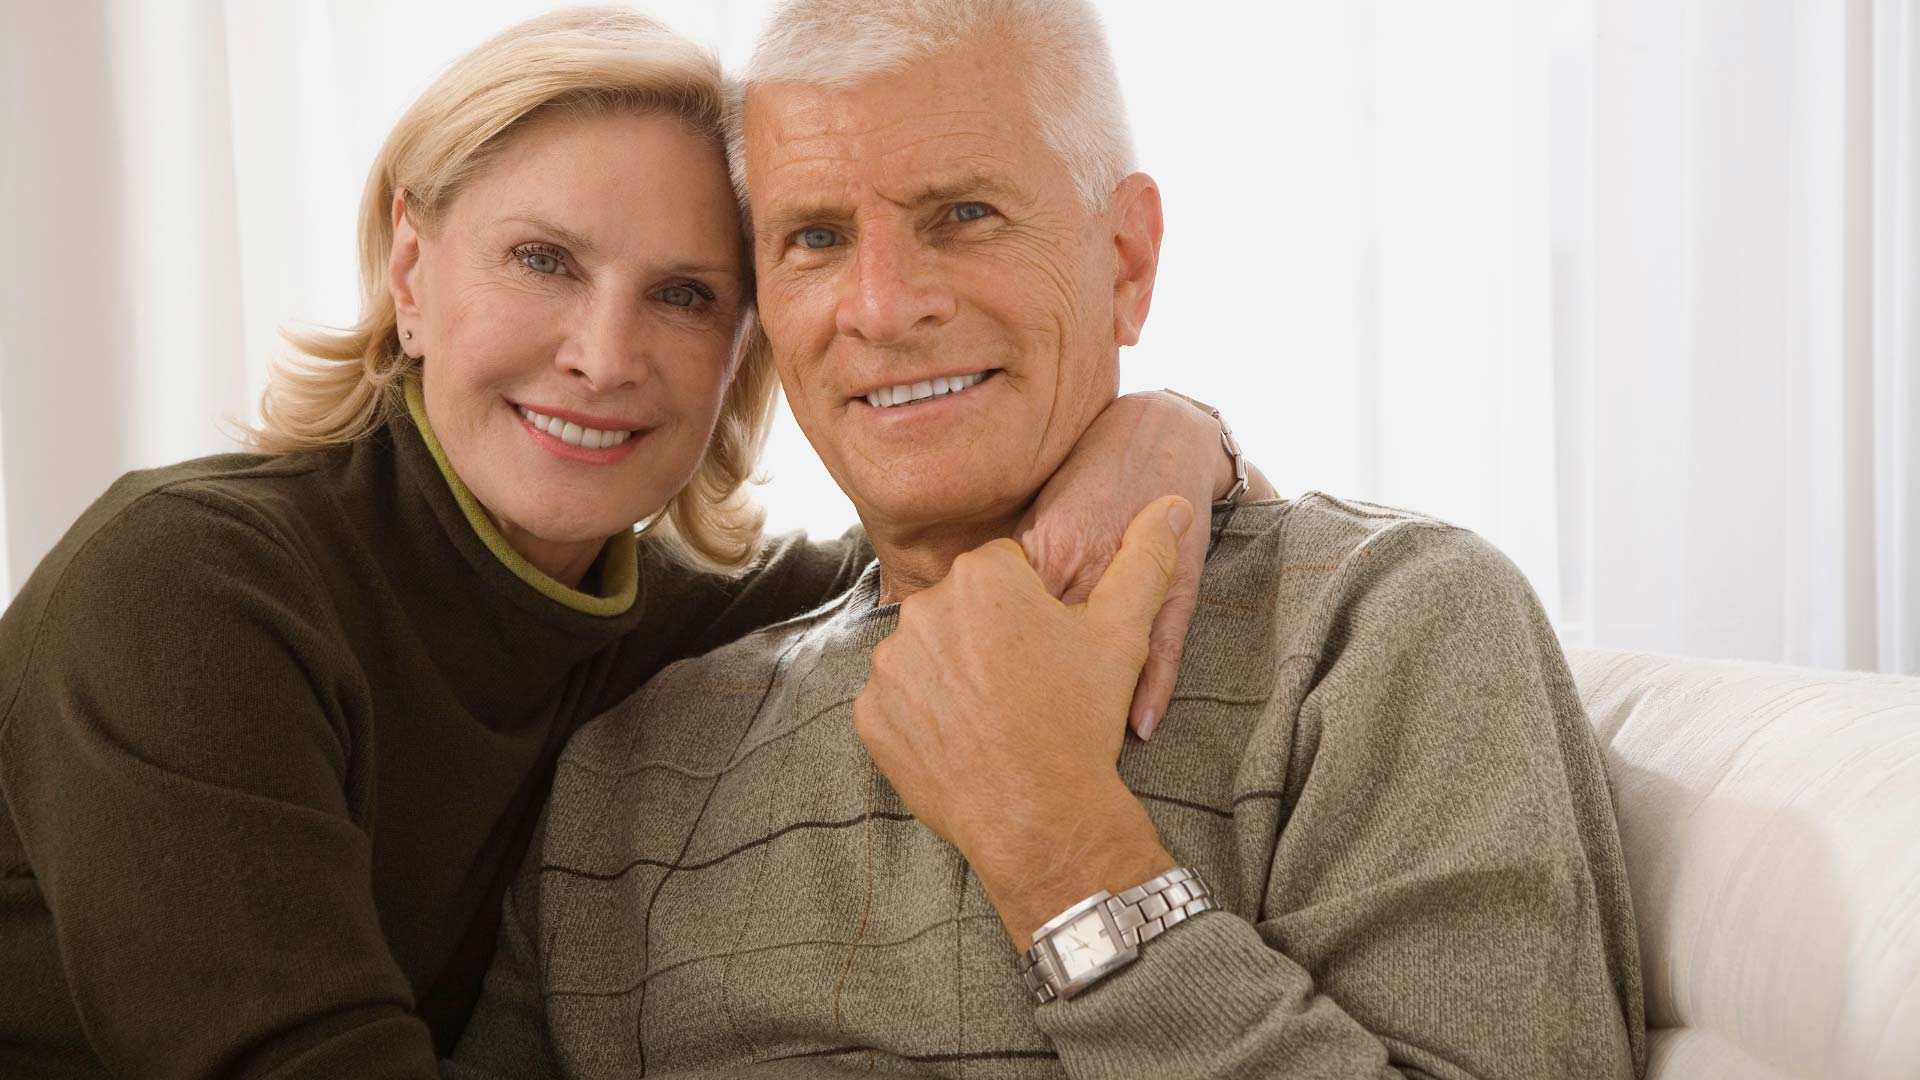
(575, 437)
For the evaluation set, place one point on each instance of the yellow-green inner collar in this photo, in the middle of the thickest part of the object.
(619, 565)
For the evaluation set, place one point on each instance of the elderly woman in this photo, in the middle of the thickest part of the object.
(277, 726)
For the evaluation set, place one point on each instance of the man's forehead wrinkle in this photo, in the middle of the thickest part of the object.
(894, 136)
(795, 191)
(943, 119)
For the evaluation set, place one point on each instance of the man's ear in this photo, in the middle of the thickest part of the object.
(403, 267)
(1137, 225)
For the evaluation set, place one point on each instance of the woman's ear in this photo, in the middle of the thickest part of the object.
(1137, 225)
(403, 268)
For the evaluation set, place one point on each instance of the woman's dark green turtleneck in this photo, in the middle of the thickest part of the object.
(273, 734)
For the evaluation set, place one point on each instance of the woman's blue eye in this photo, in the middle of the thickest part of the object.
(680, 295)
(817, 238)
(540, 262)
(972, 211)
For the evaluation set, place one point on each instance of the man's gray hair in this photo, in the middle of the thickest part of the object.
(1071, 85)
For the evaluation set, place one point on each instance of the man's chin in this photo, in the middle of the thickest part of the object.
(953, 504)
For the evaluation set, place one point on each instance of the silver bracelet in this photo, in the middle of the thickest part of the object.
(1231, 445)
(1239, 464)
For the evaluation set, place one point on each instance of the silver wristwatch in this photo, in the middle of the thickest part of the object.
(1102, 934)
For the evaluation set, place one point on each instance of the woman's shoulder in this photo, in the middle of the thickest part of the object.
(155, 530)
(199, 505)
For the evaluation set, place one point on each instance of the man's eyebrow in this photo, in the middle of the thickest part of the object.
(971, 186)
(569, 239)
(780, 220)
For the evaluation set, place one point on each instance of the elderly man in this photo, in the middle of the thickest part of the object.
(902, 835)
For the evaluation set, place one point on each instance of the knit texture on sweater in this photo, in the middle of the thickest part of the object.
(1375, 756)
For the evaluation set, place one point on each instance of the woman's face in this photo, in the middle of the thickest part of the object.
(576, 309)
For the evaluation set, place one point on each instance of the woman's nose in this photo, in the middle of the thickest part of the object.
(611, 348)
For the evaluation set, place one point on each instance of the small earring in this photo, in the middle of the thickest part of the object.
(408, 334)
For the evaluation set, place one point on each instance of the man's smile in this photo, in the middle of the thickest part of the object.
(907, 393)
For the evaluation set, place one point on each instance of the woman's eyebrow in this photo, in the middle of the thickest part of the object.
(573, 241)
(699, 269)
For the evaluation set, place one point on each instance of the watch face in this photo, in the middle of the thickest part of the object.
(1083, 945)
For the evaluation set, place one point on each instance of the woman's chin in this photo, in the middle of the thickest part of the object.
(568, 525)
(576, 530)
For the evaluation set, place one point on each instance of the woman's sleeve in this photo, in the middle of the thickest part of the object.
(794, 574)
(507, 1037)
(688, 613)
(176, 763)
(1446, 890)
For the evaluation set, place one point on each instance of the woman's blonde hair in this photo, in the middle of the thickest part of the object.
(580, 62)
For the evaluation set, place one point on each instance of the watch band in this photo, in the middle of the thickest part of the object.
(1137, 915)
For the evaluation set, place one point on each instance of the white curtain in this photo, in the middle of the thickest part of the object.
(1737, 239)
(1632, 287)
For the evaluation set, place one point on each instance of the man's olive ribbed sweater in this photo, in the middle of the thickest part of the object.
(1375, 755)
(273, 735)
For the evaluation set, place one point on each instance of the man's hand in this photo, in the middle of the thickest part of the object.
(995, 711)
(1142, 447)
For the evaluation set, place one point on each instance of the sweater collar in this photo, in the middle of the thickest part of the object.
(503, 637)
(619, 569)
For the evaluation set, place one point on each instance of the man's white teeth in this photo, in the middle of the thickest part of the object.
(889, 396)
(573, 434)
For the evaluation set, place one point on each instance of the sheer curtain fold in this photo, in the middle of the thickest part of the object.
(1746, 458)
(1895, 393)
(1632, 287)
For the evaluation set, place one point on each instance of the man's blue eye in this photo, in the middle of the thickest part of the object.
(680, 296)
(972, 211)
(817, 238)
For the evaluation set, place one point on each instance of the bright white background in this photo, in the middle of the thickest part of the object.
(1630, 286)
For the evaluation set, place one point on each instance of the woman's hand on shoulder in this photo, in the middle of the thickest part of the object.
(1143, 447)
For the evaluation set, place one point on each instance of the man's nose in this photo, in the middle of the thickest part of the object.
(896, 289)
(611, 346)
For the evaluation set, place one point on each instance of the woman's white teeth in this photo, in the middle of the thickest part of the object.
(573, 434)
(888, 396)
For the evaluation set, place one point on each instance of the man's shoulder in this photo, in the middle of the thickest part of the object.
(1316, 536)
(1306, 563)
(1316, 517)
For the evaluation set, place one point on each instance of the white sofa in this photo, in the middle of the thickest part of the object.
(1771, 820)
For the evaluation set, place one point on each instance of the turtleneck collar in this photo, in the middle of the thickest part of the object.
(619, 571)
(499, 633)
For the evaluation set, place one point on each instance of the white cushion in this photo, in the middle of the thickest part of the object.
(1771, 821)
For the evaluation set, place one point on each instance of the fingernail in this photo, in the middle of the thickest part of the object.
(1150, 719)
(1179, 516)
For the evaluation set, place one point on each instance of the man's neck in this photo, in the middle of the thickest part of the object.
(918, 557)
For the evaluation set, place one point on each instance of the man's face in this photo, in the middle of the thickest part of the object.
(913, 232)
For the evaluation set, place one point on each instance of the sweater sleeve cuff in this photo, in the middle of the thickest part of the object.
(1207, 998)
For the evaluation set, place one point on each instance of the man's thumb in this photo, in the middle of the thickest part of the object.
(1131, 592)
